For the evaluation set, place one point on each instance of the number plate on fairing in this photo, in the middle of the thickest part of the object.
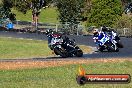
(104, 39)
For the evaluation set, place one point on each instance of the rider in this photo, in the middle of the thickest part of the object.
(104, 29)
(99, 34)
(113, 35)
(96, 34)
(49, 33)
(110, 32)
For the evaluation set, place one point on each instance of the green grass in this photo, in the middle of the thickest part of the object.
(62, 77)
(48, 15)
(11, 48)
(22, 48)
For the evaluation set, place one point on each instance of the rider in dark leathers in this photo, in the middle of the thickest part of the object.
(50, 33)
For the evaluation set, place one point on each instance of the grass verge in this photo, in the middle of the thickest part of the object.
(11, 48)
(63, 76)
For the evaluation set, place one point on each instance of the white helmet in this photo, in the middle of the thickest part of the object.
(95, 30)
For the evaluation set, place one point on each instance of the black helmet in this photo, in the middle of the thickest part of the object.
(104, 28)
(49, 31)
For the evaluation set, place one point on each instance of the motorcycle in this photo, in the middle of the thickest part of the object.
(65, 47)
(107, 43)
(72, 48)
(115, 37)
(128, 10)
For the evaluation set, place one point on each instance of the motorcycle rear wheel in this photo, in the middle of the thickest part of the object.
(101, 49)
(120, 45)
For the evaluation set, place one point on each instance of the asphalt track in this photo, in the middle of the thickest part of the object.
(125, 52)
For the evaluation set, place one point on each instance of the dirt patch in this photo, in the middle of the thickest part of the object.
(86, 49)
(42, 64)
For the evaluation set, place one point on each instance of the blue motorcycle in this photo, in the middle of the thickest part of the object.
(106, 43)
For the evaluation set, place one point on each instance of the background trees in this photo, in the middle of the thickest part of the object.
(105, 12)
(70, 10)
(5, 9)
(70, 13)
(23, 6)
(124, 22)
(98, 12)
(34, 5)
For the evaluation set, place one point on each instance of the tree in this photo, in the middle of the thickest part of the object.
(124, 22)
(25, 5)
(105, 12)
(34, 5)
(124, 2)
(70, 10)
(70, 13)
(5, 10)
(87, 7)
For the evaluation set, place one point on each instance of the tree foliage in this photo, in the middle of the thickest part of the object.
(87, 7)
(70, 10)
(25, 5)
(105, 12)
(5, 11)
(124, 22)
(126, 1)
(22, 6)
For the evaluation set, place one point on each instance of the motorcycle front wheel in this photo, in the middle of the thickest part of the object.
(79, 53)
(61, 52)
